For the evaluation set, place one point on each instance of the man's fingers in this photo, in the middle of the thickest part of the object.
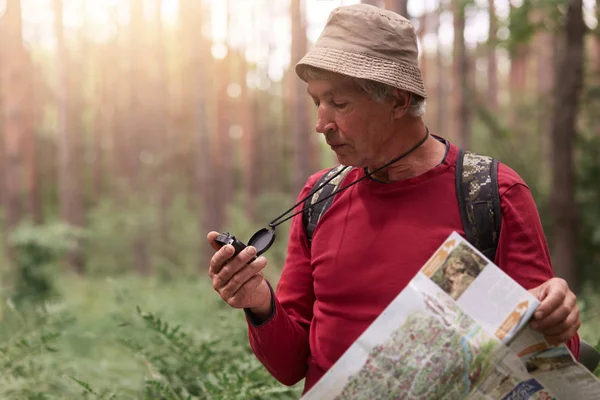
(563, 337)
(240, 298)
(556, 292)
(242, 276)
(563, 326)
(220, 258)
(212, 237)
(557, 317)
(228, 270)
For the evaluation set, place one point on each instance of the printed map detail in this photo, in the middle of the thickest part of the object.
(441, 345)
(459, 270)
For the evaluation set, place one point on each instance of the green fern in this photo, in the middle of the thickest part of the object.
(88, 390)
(181, 366)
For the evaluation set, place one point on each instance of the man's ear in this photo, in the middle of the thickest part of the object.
(402, 100)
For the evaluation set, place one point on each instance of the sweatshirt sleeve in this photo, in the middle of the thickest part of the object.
(522, 249)
(282, 342)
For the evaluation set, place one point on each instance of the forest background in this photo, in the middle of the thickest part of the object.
(131, 128)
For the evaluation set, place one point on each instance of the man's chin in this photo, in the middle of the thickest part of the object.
(347, 160)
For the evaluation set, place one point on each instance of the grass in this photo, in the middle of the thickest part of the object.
(133, 338)
(104, 347)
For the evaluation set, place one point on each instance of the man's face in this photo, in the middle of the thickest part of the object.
(356, 127)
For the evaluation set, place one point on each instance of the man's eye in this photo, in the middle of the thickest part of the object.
(339, 105)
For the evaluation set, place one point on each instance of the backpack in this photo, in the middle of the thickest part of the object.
(476, 190)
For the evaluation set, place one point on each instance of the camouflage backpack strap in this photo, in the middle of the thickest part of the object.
(479, 200)
(311, 216)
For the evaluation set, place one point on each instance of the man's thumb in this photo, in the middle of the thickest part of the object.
(538, 292)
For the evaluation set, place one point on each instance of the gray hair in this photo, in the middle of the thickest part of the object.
(377, 90)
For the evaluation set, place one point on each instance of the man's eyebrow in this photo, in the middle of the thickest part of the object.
(326, 94)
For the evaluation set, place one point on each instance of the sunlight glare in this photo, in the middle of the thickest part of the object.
(236, 132)
(218, 21)
(589, 14)
(252, 79)
(477, 26)
(276, 72)
(169, 11)
(234, 90)
(219, 50)
(446, 29)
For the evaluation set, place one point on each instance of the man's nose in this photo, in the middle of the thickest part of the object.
(324, 121)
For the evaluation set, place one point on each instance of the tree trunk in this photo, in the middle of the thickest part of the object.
(222, 155)
(568, 86)
(69, 134)
(519, 53)
(248, 143)
(139, 127)
(269, 169)
(161, 134)
(100, 120)
(492, 62)
(518, 72)
(110, 93)
(300, 128)
(15, 130)
(462, 130)
(2, 110)
(122, 136)
(440, 90)
(34, 204)
(195, 88)
(596, 66)
(545, 71)
(204, 172)
(221, 187)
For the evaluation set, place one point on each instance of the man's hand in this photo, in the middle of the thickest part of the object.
(240, 284)
(557, 316)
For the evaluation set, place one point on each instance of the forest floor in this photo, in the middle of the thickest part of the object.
(117, 339)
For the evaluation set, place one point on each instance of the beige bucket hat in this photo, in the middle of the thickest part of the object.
(368, 42)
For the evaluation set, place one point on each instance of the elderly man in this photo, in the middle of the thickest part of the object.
(363, 77)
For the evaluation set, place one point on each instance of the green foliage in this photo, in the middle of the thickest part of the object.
(588, 198)
(184, 366)
(520, 26)
(94, 344)
(496, 139)
(36, 250)
(28, 343)
(526, 20)
(504, 145)
(88, 390)
(114, 226)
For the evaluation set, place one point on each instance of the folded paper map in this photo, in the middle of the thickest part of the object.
(457, 331)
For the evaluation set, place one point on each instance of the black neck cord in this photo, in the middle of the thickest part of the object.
(275, 222)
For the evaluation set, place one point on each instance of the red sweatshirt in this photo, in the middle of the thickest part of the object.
(366, 248)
